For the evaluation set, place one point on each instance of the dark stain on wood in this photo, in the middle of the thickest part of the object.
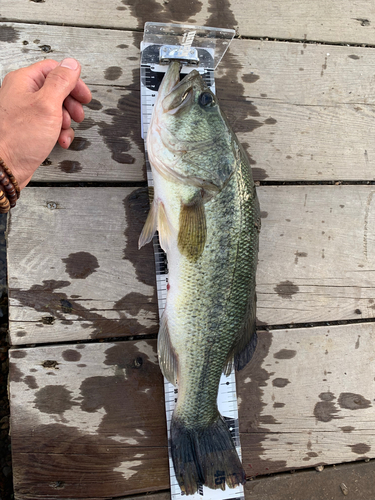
(250, 78)
(280, 382)
(54, 399)
(241, 112)
(47, 298)
(221, 14)
(19, 354)
(134, 302)
(298, 255)
(30, 381)
(79, 144)
(66, 306)
(250, 383)
(285, 354)
(71, 355)
(15, 374)
(137, 206)
(148, 406)
(94, 104)
(325, 410)
(347, 428)
(86, 124)
(122, 46)
(259, 174)
(125, 127)
(173, 11)
(360, 448)
(286, 289)
(354, 56)
(70, 166)
(351, 401)
(9, 34)
(80, 265)
(326, 396)
(270, 121)
(278, 405)
(112, 73)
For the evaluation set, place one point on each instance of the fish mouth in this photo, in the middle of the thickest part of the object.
(177, 94)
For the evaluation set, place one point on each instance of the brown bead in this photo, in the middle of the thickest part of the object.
(9, 188)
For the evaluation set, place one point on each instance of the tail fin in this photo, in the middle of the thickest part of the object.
(205, 456)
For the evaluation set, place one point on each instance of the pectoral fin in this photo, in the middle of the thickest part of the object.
(165, 228)
(193, 230)
(150, 226)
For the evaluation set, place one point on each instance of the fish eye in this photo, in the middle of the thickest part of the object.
(206, 99)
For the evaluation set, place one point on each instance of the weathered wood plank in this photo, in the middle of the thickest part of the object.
(355, 481)
(88, 419)
(306, 398)
(75, 272)
(75, 268)
(297, 116)
(336, 22)
(317, 254)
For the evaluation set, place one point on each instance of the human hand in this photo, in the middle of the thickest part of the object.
(37, 105)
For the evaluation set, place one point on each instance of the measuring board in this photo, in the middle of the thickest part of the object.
(151, 76)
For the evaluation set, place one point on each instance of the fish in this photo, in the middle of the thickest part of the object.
(206, 211)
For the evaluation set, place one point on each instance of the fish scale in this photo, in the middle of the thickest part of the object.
(236, 266)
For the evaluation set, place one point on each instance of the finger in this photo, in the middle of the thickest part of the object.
(38, 72)
(81, 92)
(33, 76)
(66, 120)
(61, 80)
(66, 137)
(74, 109)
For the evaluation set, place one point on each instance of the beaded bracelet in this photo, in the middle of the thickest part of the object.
(9, 189)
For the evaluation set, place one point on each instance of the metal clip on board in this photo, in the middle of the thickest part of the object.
(200, 48)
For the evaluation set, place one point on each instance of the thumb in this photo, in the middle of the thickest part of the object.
(61, 80)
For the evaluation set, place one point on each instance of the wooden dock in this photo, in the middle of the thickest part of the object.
(86, 392)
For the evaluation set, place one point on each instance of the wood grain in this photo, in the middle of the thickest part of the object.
(338, 21)
(75, 271)
(356, 480)
(88, 419)
(298, 118)
(306, 399)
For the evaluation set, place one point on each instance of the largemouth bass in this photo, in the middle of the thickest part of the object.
(206, 211)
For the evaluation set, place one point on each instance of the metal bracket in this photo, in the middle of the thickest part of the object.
(184, 54)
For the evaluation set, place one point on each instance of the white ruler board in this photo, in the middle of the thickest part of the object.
(151, 76)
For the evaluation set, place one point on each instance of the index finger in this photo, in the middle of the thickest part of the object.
(81, 92)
